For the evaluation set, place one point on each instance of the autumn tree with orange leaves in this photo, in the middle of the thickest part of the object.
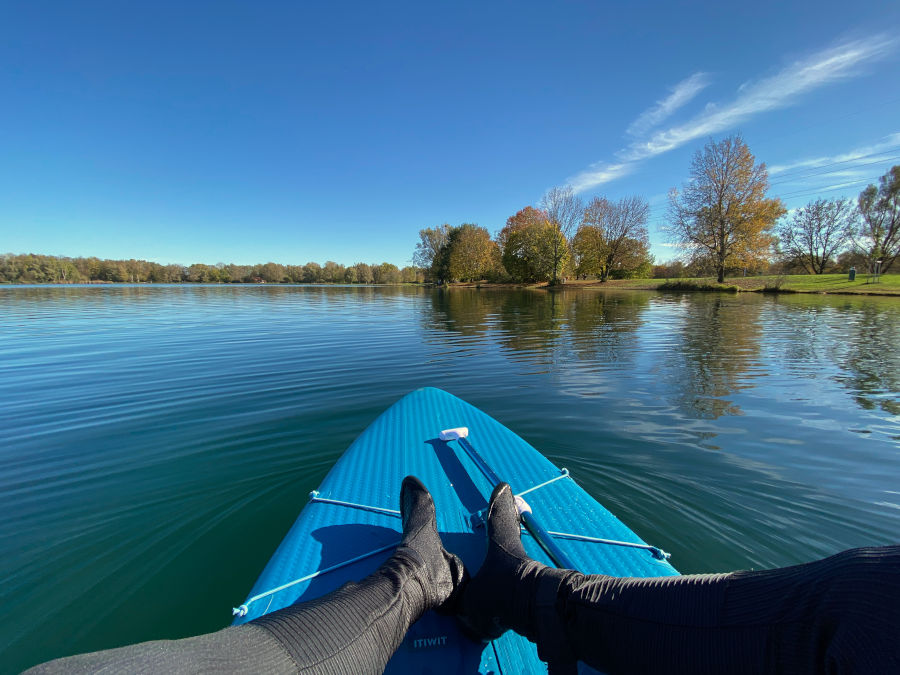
(723, 215)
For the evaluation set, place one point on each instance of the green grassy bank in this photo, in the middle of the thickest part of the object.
(888, 284)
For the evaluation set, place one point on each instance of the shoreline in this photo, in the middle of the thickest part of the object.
(829, 284)
(826, 284)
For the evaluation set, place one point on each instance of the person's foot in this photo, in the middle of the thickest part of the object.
(496, 598)
(444, 572)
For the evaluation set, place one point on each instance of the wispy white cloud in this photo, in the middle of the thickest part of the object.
(780, 90)
(679, 95)
(598, 174)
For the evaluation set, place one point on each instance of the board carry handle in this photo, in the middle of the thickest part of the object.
(538, 531)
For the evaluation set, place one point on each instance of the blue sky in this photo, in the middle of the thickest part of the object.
(249, 132)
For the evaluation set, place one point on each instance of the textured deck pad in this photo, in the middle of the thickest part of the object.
(402, 441)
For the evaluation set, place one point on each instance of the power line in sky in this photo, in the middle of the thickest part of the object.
(793, 178)
(827, 188)
(795, 131)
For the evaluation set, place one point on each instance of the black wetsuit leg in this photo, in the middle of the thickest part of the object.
(837, 615)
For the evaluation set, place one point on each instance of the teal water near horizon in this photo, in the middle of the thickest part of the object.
(156, 442)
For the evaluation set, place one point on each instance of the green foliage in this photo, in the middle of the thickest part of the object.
(546, 251)
(515, 256)
(688, 285)
(364, 273)
(589, 248)
(431, 252)
(643, 269)
(412, 275)
(386, 273)
(532, 248)
(470, 253)
(466, 253)
(612, 238)
(312, 273)
(44, 269)
(628, 259)
(332, 273)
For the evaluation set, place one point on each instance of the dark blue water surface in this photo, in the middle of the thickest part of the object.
(156, 442)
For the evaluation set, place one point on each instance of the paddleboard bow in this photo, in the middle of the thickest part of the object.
(351, 524)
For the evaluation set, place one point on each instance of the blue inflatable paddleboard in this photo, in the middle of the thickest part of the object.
(351, 525)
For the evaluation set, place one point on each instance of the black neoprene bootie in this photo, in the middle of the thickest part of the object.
(493, 601)
(513, 591)
(509, 588)
(442, 574)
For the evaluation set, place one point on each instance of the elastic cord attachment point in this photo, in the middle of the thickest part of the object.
(659, 554)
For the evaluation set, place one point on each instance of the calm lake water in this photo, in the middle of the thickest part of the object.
(156, 442)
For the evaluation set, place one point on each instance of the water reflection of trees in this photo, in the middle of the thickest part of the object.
(89, 294)
(852, 341)
(464, 311)
(856, 337)
(874, 363)
(718, 347)
(605, 326)
(551, 329)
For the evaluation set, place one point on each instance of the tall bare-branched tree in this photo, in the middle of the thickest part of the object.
(817, 232)
(723, 213)
(878, 237)
(564, 211)
(610, 233)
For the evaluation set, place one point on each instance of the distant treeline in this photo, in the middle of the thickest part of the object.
(47, 269)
